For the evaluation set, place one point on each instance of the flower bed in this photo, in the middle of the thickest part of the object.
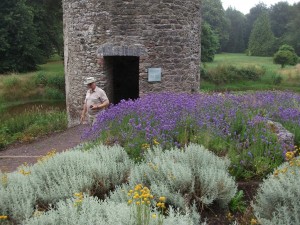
(228, 124)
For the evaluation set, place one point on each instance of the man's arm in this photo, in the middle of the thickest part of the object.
(82, 118)
(103, 105)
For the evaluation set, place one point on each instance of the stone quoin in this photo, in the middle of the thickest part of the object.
(132, 47)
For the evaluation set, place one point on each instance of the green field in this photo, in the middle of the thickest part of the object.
(290, 75)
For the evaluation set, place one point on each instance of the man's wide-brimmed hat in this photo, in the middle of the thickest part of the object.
(89, 80)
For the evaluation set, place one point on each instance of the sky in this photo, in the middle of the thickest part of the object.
(244, 6)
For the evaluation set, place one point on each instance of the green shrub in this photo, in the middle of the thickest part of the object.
(252, 73)
(285, 56)
(203, 72)
(237, 203)
(41, 79)
(57, 81)
(277, 200)
(225, 74)
(93, 211)
(184, 176)
(277, 79)
(53, 94)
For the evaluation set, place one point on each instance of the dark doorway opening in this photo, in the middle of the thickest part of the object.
(123, 77)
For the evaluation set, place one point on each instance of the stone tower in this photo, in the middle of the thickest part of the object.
(143, 46)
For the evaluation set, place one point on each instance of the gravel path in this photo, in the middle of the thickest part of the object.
(17, 154)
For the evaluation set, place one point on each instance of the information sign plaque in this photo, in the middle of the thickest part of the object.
(154, 74)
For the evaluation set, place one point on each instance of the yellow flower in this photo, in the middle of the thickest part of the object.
(129, 202)
(284, 170)
(289, 155)
(3, 217)
(145, 146)
(253, 222)
(153, 216)
(25, 173)
(229, 216)
(49, 155)
(162, 199)
(4, 179)
(78, 194)
(138, 203)
(138, 187)
(155, 142)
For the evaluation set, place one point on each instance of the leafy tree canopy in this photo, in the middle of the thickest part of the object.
(30, 31)
(236, 42)
(213, 13)
(261, 42)
(19, 51)
(209, 43)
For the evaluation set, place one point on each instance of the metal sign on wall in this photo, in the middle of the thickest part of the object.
(154, 74)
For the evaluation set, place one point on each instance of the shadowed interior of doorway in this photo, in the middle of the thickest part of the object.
(123, 77)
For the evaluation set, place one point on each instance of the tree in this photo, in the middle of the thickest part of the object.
(261, 42)
(214, 14)
(285, 56)
(292, 35)
(18, 51)
(48, 20)
(280, 16)
(236, 42)
(255, 12)
(209, 43)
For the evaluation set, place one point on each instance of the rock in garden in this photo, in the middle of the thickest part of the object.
(285, 137)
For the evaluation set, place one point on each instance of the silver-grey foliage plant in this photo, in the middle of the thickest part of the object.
(278, 198)
(184, 176)
(92, 211)
(96, 171)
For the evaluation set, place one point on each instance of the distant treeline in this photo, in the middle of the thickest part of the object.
(261, 32)
(32, 30)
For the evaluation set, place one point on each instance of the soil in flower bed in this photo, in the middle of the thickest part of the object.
(217, 216)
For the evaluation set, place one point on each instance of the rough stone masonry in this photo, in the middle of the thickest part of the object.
(161, 34)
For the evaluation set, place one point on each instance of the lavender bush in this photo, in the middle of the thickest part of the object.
(232, 124)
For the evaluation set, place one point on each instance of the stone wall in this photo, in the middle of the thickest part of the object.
(162, 33)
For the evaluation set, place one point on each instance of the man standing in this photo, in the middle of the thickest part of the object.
(95, 101)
